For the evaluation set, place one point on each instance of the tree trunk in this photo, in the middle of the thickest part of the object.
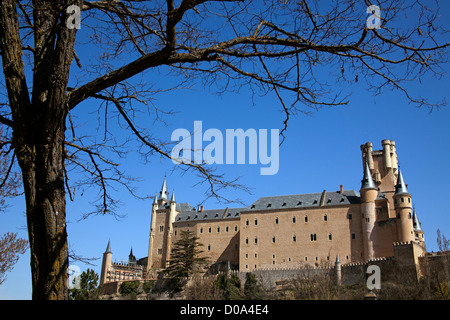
(41, 162)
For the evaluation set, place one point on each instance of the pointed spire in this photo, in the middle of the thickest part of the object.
(400, 187)
(156, 199)
(131, 251)
(367, 181)
(164, 194)
(108, 248)
(416, 223)
(173, 196)
(337, 258)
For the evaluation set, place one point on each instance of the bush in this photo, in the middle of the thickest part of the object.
(129, 288)
(148, 286)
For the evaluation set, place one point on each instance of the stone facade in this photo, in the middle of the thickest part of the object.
(294, 231)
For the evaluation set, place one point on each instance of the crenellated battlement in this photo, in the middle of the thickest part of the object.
(403, 243)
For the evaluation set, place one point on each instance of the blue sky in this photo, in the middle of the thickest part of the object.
(320, 152)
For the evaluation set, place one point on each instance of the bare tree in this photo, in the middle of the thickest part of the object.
(10, 249)
(279, 47)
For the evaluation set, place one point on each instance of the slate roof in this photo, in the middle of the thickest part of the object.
(215, 214)
(306, 200)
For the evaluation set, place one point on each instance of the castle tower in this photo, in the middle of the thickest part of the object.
(152, 234)
(106, 263)
(369, 194)
(382, 163)
(403, 209)
(172, 214)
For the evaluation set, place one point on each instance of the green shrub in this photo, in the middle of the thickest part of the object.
(129, 288)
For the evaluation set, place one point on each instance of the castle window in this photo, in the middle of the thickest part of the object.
(159, 251)
(247, 222)
(353, 236)
(403, 199)
(330, 236)
(201, 230)
(209, 229)
(294, 238)
(293, 219)
(246, 256)
(235, 228)
(226, 229)
(409, 200)
(161, 228)
(273, 239)
(246, 240)
(349, 216)
(209, 247)
(306, 258)
(409, 215)
(325, 218)
(256, 255)
(256, 240)
(218, 229)
(276, 220)
(313, 237)
(306, 218)
(256, 222)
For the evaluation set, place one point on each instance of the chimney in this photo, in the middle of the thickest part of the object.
(201, 209)
(341, 191)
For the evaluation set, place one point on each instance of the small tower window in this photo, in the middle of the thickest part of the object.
(256, 222)
(294, 238)
(306, 218)
(256, 240)
(273, 239)
(293, 219)
(403, 199)
(276, 220)
(325, 218)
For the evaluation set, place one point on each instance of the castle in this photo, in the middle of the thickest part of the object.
(290, 231)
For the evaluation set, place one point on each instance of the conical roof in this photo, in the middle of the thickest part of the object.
(108, 248)
(367, 181)
(400, 187)
(416, 222)
(164, 194)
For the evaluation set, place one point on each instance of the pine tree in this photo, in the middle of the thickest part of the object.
(185, 256)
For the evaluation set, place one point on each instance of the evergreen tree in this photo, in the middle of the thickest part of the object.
(88, 286)
(252, 290)
(185, 256)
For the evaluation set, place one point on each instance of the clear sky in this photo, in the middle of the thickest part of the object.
(321, 151)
